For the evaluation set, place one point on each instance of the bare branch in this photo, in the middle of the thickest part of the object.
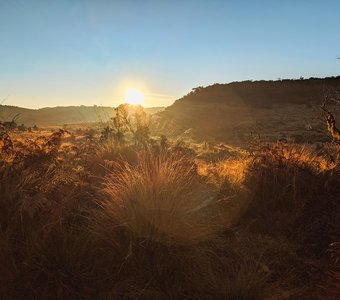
(330, 119)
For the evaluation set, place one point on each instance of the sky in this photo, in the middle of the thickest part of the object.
(82, 52)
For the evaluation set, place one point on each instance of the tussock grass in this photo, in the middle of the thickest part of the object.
(154, 221)
(160, 199)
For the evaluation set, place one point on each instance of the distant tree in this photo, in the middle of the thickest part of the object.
(141, 129)
(130, 120)
(121, 123)
(197, 89)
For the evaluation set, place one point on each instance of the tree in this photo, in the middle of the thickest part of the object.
(121, 123)
(133, 120)
(142, 125)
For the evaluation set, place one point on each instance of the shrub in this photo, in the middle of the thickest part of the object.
(293, 190)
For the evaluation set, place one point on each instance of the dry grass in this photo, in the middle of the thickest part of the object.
(86, 220)
(159, 200)
(289, 185)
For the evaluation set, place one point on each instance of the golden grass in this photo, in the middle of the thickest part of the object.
(87, 220)
(159, 199)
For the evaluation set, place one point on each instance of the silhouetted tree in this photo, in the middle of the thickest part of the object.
(121, 123)
(142, 124)
(133, 120)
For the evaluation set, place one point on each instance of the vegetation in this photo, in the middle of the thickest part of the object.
(226, 113)
(130, 217)
(262, 93)
(58, 116)
(229, 112)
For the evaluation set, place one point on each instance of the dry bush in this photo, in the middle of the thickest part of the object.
(42, 200)
(289, 192)
(286, 183)
(227, 178)
(109, 151)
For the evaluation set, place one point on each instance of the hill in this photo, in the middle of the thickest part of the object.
(230, 112)
(58, 116)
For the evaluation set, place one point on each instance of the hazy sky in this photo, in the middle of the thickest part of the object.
(77, 52)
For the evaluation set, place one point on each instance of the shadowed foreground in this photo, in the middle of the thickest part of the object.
(87, 220)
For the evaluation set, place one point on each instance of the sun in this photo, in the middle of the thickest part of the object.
(134, 97)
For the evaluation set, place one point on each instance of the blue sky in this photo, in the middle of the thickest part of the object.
(80, 52)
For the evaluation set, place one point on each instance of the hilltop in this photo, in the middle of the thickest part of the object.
(285, 108)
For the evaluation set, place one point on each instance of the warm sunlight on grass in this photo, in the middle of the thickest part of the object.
(134, 97)
(111, 214)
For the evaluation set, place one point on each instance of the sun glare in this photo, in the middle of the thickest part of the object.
(134, 97)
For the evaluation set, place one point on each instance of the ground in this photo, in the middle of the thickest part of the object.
(87, 218)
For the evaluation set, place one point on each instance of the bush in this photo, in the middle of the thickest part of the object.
(293, 190)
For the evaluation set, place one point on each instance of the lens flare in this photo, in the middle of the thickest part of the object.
(134, 97)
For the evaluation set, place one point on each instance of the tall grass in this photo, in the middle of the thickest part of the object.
(153, 220)
(287, 184)
(86, 220)
(161, 199)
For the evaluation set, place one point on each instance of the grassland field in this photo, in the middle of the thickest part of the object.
(85, 218)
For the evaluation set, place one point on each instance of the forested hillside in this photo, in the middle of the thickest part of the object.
(231, 112)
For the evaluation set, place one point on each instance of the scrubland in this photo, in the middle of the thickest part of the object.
(84, 218)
